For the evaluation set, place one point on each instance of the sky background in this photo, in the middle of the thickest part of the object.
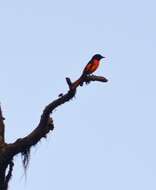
(105, 137)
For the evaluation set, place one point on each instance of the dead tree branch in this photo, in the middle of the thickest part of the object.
(46, 123)
(23, 145)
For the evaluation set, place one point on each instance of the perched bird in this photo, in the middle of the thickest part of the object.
(91, 67)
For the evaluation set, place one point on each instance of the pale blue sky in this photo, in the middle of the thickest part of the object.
(105, 137)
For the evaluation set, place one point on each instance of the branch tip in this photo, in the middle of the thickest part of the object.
(68, 82)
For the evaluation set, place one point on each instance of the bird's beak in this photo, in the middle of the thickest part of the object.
(103, 57)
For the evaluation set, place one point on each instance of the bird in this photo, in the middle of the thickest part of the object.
(90, 68)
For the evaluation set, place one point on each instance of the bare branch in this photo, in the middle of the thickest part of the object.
(87, 79)
(23, 145)
(46, 122)
(96, 78)
(45, 125)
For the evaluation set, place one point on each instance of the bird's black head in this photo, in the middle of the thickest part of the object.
(98, 57)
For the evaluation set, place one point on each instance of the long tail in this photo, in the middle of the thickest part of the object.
(79, 81)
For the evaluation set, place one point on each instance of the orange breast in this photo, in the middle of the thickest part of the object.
(91, 67)
(95, 65)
